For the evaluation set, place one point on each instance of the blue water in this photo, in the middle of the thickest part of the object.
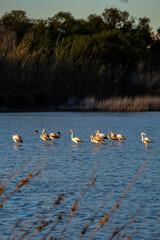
(67, 168)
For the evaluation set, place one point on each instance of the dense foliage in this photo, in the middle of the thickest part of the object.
(61, 60)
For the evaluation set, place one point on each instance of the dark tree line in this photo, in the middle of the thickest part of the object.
(46, 61)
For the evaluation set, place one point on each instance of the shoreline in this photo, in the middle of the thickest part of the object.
(71, 110)
(126, 104)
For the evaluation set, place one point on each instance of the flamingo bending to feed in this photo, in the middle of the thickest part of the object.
(54, 135)
(75, 139)
(112, 136)
(97, 139)
(102, 135)
(145, 140)
(120, 137)
(17, 138)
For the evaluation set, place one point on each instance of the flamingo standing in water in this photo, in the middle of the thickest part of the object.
(97, 139)
(112, 136)
(145, 140)
(75, 139)
(17, 138)
(102, 135)
(44, 136)
(54, 135)
(120, 137)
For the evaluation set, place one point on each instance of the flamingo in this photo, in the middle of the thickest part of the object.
(120, 137)
(102, 135)
(75, 139)
(17, 138)
(97, 139)
(112, 136)
(44, 136)
(54, 135)
(145, 140)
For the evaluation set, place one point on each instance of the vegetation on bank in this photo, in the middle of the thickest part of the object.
(137, 104)
(63, 61)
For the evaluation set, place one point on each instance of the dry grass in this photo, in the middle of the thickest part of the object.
(137, 104)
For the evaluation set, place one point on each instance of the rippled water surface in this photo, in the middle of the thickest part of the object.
(67, 168)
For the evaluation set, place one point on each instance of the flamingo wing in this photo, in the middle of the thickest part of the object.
(78, 139)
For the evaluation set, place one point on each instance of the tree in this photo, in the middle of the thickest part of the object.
(128, 25)
(112, 17)
(64, 21)
(144, 30)
(39, 30)
(53, 29)
(95, 23)
(81, 27)
(118, 19)
(143, 23)
(158, 30)
(17, 22)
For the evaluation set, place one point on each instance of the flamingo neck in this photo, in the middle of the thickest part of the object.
(72, 135)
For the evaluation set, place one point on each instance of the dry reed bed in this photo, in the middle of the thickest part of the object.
(43, 80)
(127, 104)
(52, 213)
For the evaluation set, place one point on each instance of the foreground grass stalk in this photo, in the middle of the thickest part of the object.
(30, 220)
(75, 205)
(122, 230)
(3, 187)
(84, 230)
(24, 181)
(48, 221)
(105, 219)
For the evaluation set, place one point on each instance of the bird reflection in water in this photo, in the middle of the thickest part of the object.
(17, 146)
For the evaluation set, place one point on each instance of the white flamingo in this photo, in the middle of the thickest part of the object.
(112, 136)
(102, 135)
(75, 139)
(120, 137)
(17, 138)
(54, 135)
(44, 136)
(145, 140)
(97, 139)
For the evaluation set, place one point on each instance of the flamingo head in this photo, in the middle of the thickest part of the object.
(142, 134)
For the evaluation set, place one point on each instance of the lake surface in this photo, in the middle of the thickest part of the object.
(69, 170)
